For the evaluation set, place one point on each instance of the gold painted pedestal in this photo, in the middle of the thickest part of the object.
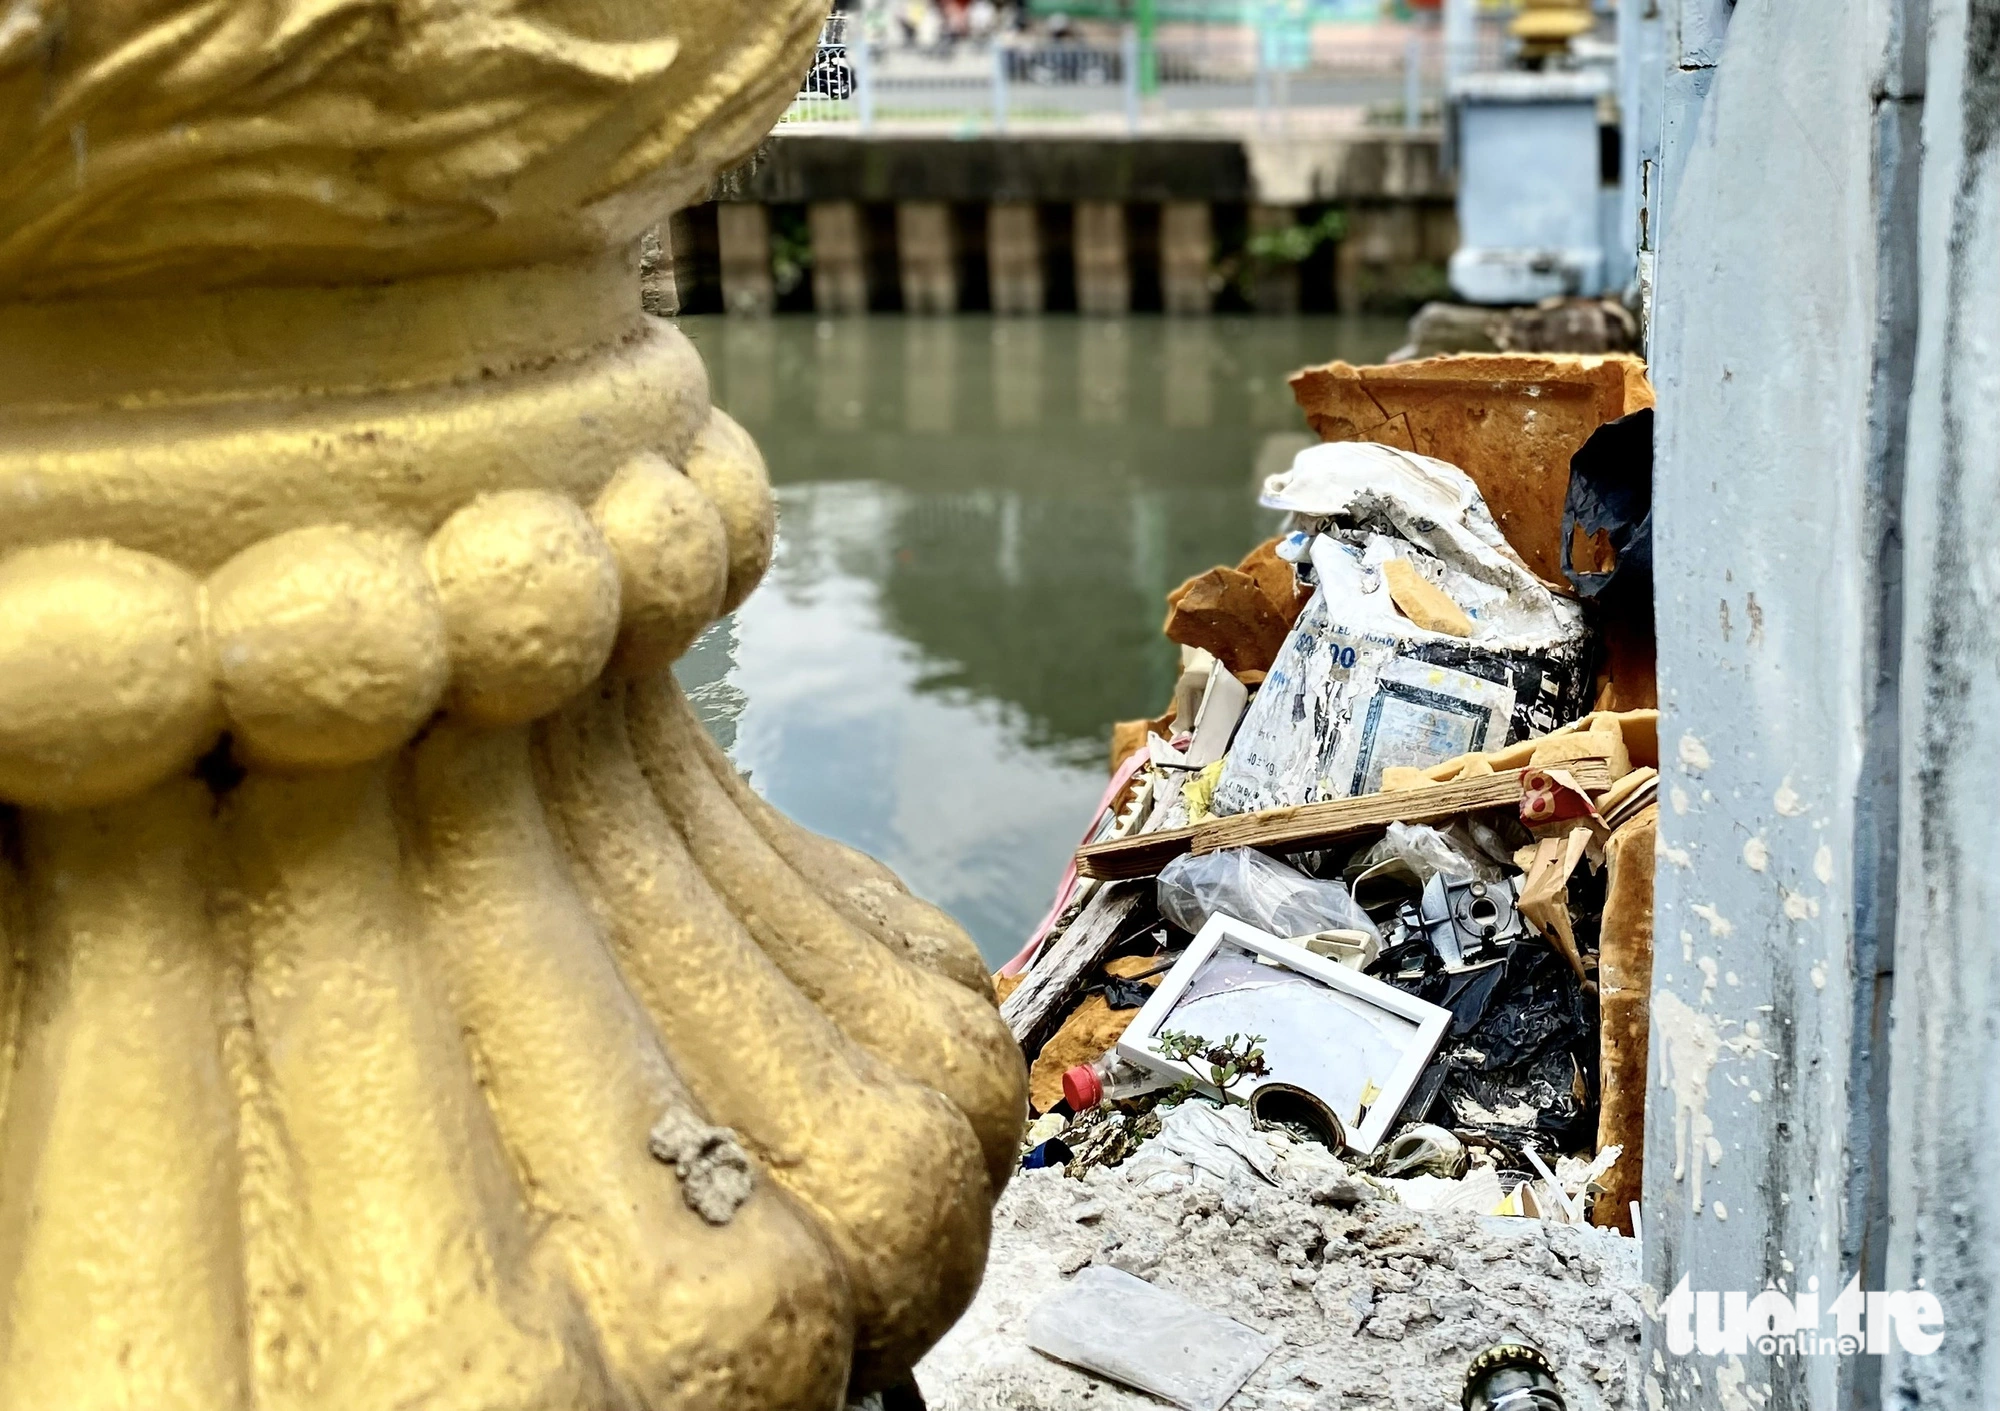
(411, 1008)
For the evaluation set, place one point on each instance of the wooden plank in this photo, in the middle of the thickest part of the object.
(1303, 827)
(1040, 1001)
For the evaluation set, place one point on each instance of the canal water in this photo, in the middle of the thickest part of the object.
(978, 522)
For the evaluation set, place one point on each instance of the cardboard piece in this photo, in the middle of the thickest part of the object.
(1625, 983)
(1225, 612)
(1545, 893)
(1240, 615)
(1622, 741)
(1422, 601)
(1222, 706)
(1276, 579)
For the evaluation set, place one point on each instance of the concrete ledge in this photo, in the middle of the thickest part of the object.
(1364, 166)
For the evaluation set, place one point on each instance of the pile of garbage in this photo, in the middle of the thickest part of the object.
(1253, 1269)
(1379, 877)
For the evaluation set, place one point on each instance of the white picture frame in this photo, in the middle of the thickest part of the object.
(1397, 1031)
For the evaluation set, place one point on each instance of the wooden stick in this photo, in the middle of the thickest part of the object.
(1303, 827)
(1040, 1001)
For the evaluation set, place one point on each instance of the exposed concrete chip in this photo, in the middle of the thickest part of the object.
(716, 1175)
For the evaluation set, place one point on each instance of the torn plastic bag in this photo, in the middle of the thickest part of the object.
(1610, 500)
(1255, 888)
(1539, 1006)
(1526, 1065)
(1548, 1101)
(1402, 863)
(1468, 994)
(1361, 684)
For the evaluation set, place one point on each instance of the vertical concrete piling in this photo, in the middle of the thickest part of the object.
(1187, 257)
(743, 231)
(927, 257)
(1103, 272)
(840, 258)
(1014, 258)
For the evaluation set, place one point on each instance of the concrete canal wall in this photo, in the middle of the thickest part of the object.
(1099, 225)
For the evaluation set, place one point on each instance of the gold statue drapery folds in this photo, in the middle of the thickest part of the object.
(406, 1006)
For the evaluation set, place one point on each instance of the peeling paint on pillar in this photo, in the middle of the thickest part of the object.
(1780, 338)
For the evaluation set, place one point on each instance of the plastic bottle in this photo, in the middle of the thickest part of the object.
(1110, 1079)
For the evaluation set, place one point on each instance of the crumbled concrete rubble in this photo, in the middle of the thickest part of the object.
(1379, 1306)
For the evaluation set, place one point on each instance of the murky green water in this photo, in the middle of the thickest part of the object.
(978, 523)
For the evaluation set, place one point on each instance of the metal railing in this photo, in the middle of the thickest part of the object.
(1235, 77)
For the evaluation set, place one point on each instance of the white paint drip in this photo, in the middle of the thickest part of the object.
(1687, 947)
(1718, 924)
(1678, 797)
(1707, 963)
(1823, 865)
(1730, 1389)
(1800, 907)
(1690, 1045)
(1819, 977)
(1694, 754)
(1756, 855)
(1721, 1210)
(1787, 800)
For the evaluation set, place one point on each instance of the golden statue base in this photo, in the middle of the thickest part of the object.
(412, 1008)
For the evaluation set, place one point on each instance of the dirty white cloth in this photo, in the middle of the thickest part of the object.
(1198, 1140)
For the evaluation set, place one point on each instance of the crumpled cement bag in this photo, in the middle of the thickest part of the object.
(1359, 687)
(1112, 1324)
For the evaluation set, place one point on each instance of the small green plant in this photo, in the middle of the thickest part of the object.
(1228, 1062)
(1266, 252)
(1294, 244)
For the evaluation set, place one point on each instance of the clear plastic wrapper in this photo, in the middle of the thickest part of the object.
(1427, 851)
(1252, 887)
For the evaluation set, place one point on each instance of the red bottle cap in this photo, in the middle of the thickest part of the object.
(1081, 1088)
